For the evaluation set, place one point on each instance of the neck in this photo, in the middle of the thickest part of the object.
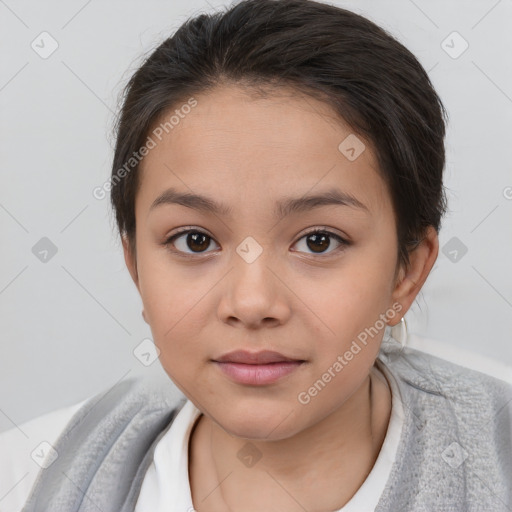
(321, 467)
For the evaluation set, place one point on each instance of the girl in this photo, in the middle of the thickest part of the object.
(277, 185)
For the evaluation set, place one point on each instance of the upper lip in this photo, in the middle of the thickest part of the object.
(247, 357)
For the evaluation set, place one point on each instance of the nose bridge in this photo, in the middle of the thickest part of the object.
(253, 293)
(251, 260)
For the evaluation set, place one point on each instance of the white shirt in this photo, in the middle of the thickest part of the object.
(18, 469)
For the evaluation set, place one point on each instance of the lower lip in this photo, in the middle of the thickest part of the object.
(258, 374)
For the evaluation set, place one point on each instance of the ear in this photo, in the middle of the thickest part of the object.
(131, 261)
(422, 259)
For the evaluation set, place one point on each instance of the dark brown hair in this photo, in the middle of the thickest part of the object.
(371, 80)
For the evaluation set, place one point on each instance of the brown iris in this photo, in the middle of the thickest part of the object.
(319, 241)
(202, 241)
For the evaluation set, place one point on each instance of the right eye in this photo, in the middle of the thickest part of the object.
(193, 239)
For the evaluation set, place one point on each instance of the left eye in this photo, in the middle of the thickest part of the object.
(318, 241)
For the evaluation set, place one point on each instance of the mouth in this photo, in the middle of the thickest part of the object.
(255, 358)
(257, 368)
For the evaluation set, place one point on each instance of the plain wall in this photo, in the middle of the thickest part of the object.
(70, 324)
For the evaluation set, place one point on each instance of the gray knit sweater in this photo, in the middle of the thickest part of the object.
(454, 454)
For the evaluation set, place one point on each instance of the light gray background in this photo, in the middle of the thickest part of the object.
(69, 326)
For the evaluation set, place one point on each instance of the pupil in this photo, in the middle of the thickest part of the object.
(197, 238)
(321, 239)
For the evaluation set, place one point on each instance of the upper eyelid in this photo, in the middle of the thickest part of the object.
(187, 229)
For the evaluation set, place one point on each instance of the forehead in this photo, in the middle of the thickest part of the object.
(236, 144)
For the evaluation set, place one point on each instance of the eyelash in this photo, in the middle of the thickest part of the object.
(169, 241)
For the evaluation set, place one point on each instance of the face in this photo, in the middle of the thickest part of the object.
(305, 281)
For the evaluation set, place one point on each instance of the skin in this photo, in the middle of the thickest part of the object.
(296, 298)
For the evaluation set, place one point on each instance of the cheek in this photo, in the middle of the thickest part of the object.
(346, 308)
(174, 304)
(168, 291)
(347, 298)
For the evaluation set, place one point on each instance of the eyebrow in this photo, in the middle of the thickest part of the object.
(283, 207)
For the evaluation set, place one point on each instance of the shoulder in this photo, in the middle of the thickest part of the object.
(456, 444)
(453, 400)
(112, 435)
(466, 388)
(28, 448)
(443, 369)
(462, 357)
(141, 395)
(23, 450)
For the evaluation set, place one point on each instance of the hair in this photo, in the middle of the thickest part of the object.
(367, 77)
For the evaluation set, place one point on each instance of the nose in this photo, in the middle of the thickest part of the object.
(253, 296)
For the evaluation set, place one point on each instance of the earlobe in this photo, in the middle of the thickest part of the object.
(422, 259)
